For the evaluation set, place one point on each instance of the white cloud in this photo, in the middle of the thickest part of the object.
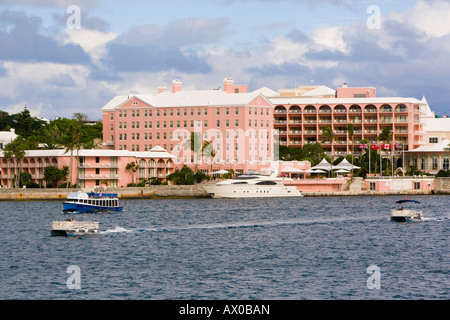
(93, 42)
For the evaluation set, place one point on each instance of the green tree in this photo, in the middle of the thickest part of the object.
(208, 151)
(16, 149)
(71, 140)
(195, 145)
(313, 153)
(133, 167)
(185, 176)
(328, 135)
(53, 175)
(350, 132)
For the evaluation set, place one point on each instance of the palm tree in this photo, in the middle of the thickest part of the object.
(133, 167)
(350, 132)
(195, 145)
(16, 149)
(209, 151)
(385, 136)
(72, 141)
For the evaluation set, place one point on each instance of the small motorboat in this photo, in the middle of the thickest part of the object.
(70, 227)
(82, 202)
(402, 214)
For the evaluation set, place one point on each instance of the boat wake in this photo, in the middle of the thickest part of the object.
(233, 225)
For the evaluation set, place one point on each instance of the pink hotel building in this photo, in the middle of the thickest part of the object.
(241, 125)
(153, 130)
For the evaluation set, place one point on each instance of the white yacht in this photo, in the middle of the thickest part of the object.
(253, 185)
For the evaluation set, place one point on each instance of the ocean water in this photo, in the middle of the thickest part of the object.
(198, 249)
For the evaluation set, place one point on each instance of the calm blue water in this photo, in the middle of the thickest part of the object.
(309, 248)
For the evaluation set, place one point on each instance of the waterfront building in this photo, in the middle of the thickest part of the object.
(430, 158)
(303, 116)
(91, 168)
(236, 124)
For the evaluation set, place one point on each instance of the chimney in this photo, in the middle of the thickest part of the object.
(176, 86)
(228, 86)
(162, 89)
(345, 85)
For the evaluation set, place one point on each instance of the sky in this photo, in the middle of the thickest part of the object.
(58, 57)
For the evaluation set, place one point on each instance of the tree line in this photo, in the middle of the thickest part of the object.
(62, 133)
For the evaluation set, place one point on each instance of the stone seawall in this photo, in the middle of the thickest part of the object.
(193, 191)
(166, 192)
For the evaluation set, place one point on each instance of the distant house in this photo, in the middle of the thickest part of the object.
(6, 137)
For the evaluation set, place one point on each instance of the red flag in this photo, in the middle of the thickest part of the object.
(375, 147)
(387, 146)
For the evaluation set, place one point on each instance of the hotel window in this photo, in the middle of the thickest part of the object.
(185, 112)
(171, 112)
(359, 95)
(137, 113)
(124, 113)
(446, 164)
(135, 103)
(199, 112)
(132, 113)
(433, 139)
(132, 125)
(227, 123)
(97, 159)
(192, 123)
(434, 163)
(150, 136)
(145, 147)
(137, 136)
(178, 112)
(124, 125)
(150, 124)
(137, 125)
(185, 123)
(171, 124)
(112, 116)
(132, 136)
(164, 124)
(125, 137)
(112, 127)
(236, 123)
(205, 123)
(157, 124)
(145, 124)
(146, 136)
(120, 114)
(236, 111)
(205, 112)
(165, 113)
(171, 136)
(227, 111)
(132, 147)
(145, 113)
(157, 135)
(164, 136)
(120, 136)
(218, 123)
(150, 113)
(192, 112)
(157, 113)
(218, 111)
(178, 123)
(249, 123)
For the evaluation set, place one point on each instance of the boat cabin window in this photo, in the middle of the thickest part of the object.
(266, 183)
(240, 182)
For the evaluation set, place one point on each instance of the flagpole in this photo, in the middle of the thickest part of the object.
(370, 151)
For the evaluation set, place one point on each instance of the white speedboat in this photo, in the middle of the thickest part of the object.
(69, 228)
(406, 215)
(253, 185)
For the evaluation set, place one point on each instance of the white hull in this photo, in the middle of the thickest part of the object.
(252, 191)
(406, 215)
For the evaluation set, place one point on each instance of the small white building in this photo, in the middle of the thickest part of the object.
(7, 137)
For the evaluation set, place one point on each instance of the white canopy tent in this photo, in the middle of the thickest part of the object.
(323, 165)
(345, 165)
(292, 170)
(219, 172)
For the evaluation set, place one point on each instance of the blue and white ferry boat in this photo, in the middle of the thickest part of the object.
(82, 202)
